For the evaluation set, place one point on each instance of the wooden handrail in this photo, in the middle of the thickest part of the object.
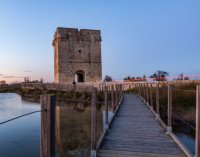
(147, 97)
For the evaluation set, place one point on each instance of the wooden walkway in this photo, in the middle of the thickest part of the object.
(135, 132)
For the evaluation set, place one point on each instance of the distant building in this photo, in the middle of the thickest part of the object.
(77, 55)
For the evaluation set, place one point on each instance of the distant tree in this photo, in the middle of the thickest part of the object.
(127, 78)
(159, 75)
(3, 82)
(182, 77)
(186, 78)
(138, 78)
(108, 78)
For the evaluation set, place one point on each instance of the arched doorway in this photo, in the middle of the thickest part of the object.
(80, 76)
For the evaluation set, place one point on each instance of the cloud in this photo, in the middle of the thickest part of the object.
(7, 77)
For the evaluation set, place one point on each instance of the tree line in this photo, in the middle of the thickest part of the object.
(156, 76)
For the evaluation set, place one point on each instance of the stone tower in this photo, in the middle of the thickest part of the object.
(77, 55)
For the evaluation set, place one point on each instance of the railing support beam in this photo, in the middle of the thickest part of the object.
(47, 134)
(169, 121)
(157, 101)
(197, 142)
(106, 105)
(151, 97)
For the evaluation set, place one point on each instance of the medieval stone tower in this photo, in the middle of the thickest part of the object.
(77, 55)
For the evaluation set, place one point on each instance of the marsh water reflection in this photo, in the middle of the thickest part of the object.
(19, 138)
(186, 135)
(22, 136)
(73, 128)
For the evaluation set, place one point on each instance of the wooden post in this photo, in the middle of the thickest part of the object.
(116, 87)
(116, 96)
(118, 93)
(112, 97)
(140, 90)
(144, 92)
(157, 101)
(106, 105)
(151, 97)
(121, 90)
(93, 123)
(58, 125)
(138, 87)
(147, 94)
(197, 141)
(169, 122)
(47, 133)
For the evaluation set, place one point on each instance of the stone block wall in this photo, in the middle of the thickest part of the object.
(77, 50)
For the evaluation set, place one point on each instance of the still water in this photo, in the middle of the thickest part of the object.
(21, 137)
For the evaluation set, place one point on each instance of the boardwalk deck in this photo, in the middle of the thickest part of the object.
(136, 133)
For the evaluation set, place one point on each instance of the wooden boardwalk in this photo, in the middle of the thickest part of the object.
(135, 132)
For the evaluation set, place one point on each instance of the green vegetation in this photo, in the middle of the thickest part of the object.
(183, 100)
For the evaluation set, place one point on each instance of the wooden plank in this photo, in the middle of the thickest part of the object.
(135, 130)
(47, 140)
(117, 153)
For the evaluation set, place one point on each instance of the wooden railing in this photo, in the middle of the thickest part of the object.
(69, 86)
(144, 90)
(116, 93)
(57, 86)
(150, 93)
(47, 147)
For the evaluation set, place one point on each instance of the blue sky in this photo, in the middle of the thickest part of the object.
(138, 37)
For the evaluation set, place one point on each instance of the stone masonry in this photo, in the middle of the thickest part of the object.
(77, 55)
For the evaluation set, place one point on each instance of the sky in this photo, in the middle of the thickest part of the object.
(138, 36)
